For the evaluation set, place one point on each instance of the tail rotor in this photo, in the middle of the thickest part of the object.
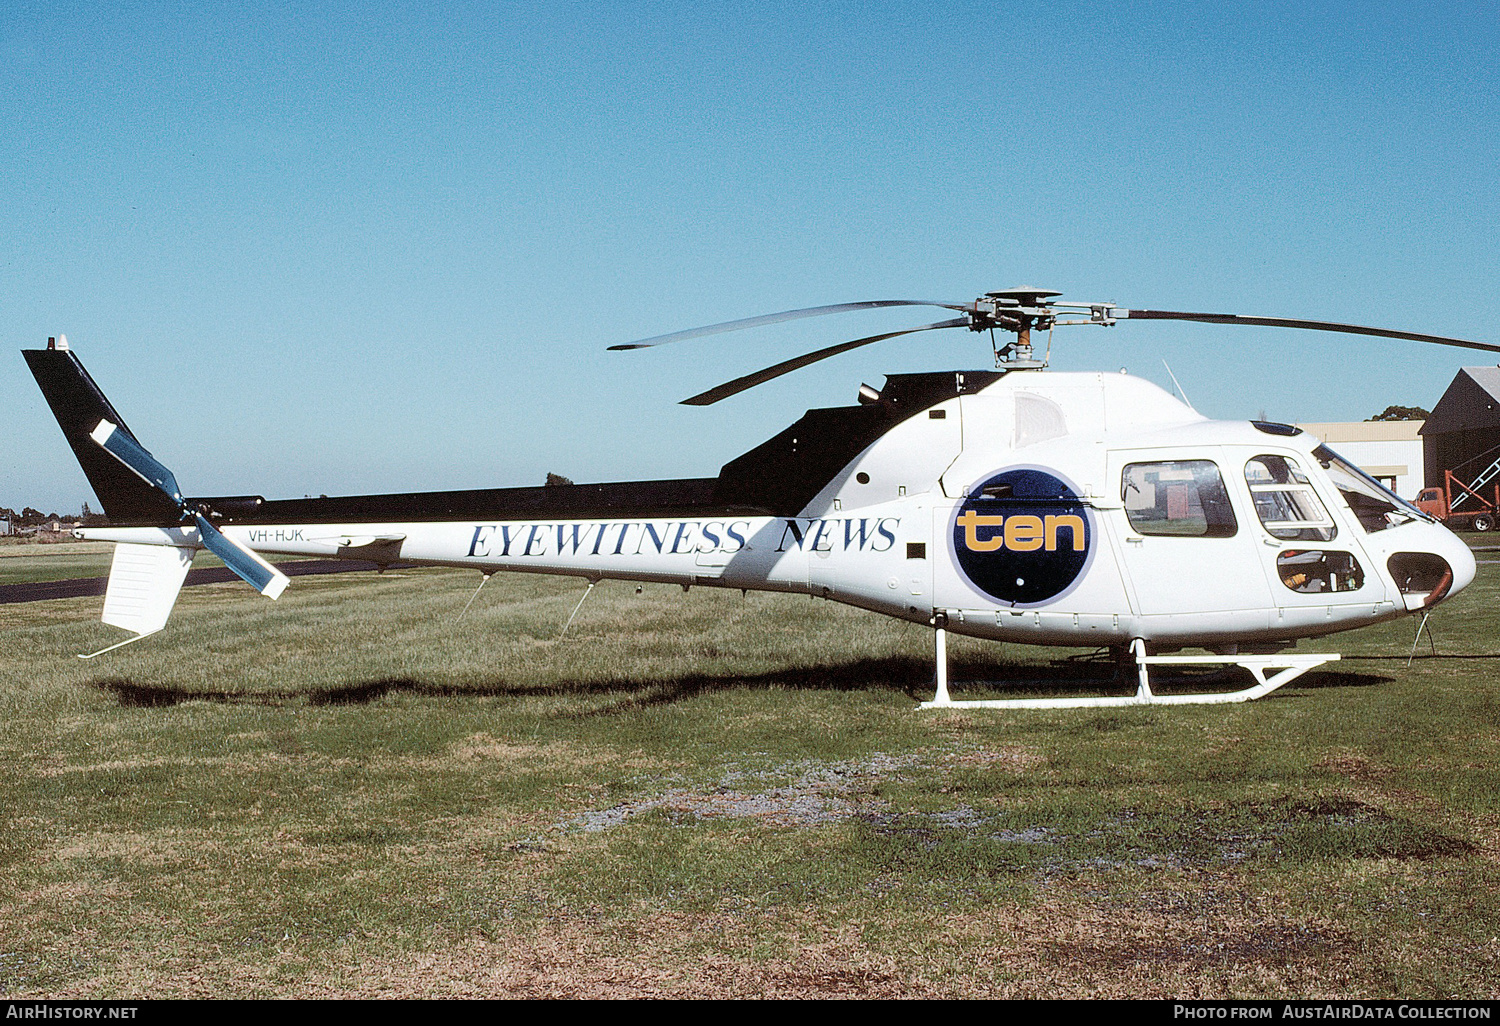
(251, 568)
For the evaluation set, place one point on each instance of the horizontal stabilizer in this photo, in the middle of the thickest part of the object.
(143, 585)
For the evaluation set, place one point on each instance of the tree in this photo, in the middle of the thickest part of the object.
(1403, 413)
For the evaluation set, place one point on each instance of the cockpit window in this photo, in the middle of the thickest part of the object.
(1372, 503)
(1285, 501)
(1180, 497)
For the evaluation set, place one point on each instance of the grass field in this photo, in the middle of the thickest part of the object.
(24, 562)
(353, 792)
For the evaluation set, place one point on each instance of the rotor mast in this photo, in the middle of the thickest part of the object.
(1016, 310)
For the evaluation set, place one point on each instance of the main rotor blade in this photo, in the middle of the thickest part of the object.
(776, 318)
(760, 377)
(253, 570)
(128, 451)
(1289, 322)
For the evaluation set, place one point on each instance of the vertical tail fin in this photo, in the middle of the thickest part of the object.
(79, 407)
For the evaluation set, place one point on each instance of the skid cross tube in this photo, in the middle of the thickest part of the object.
(1290, 667)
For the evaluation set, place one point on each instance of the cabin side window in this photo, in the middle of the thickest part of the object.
(1184, 498)
(1285, 501)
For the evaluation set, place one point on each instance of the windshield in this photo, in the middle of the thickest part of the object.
(1375, 505)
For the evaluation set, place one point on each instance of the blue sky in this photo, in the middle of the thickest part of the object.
(325, 248)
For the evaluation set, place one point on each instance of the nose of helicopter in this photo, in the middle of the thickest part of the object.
(1461, 558)
(1443, 568)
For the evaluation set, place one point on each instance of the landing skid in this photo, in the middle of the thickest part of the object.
(120, 644)
(1290, 667)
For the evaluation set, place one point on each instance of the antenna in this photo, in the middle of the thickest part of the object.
(1179, 387)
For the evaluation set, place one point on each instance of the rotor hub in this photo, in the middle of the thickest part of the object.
(1017, 310)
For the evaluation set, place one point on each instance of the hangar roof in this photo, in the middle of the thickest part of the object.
(1472, 401)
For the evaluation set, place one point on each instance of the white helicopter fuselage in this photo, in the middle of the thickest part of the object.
(1076, 509)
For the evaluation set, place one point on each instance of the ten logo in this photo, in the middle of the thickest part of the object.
(1023, 533)
(1023, 536)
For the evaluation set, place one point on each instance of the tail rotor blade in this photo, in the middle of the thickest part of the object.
(777, 318)
(255, 571)
(760, 377)
(128, 451)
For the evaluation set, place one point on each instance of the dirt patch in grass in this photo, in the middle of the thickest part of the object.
(1213, 942)
(1011, 757)
(818, 794)
(558, 755)
(484, 748)
(784, 807)
(1353, 766)
(1340, 827)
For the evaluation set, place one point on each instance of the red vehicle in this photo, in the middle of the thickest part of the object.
(1464, 505)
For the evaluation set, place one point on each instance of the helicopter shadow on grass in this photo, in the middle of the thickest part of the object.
(907, 675)
(899, 673)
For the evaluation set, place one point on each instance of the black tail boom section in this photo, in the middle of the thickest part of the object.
(777, 478)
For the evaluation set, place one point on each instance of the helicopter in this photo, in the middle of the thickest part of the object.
(1014, 504)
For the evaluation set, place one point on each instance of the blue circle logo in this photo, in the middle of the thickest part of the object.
(1023, 537)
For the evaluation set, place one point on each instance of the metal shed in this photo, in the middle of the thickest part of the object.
(1463, 432)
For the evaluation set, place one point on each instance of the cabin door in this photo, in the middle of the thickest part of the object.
(1184, 545)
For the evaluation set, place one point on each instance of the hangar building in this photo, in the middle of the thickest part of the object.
(1390, 451)
(1463, 432)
